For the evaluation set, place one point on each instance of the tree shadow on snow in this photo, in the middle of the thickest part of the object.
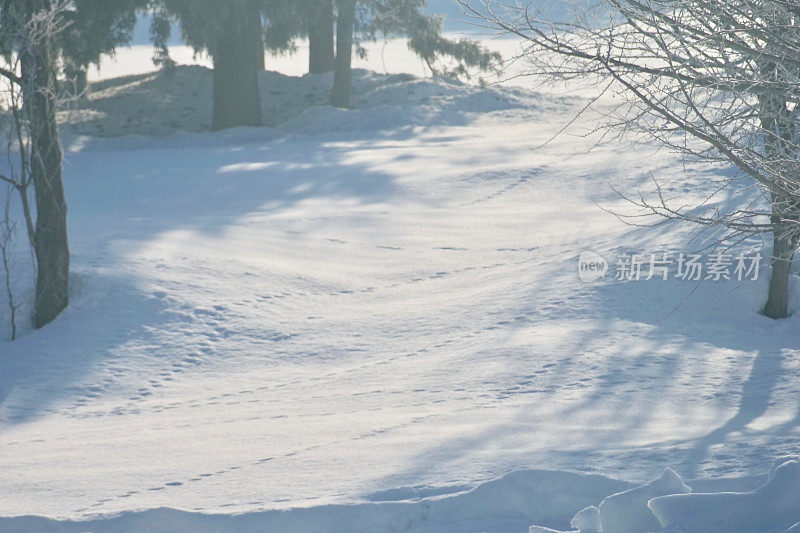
(117, 207)
(638, 347)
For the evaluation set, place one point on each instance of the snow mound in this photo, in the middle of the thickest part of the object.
(775, 506)
(383, 102)
(777, 463)
(157, 103)
(771, 508)
(627, 512)
(587, 521)
(163, 103)
(545, 497)
(506, 504)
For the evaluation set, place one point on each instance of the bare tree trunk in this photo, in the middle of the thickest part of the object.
(320, 39)
(6, 242)
(777, 130)
(778, 301)
(82, 85)
(50, 238)
(236, 98)
(77, 81)
(342, 80)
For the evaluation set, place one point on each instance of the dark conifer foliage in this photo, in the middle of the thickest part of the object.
(373, 19)
(444, 56)
(93, 28)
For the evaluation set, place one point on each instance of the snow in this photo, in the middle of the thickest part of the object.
(163, 104)
(587, 521)
(627, 512)
(775, 504)
(372, 320)
(506, 504)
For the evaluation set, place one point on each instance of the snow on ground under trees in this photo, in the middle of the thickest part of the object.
(372, 320)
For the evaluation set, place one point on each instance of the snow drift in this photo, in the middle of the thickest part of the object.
(505, 505)
(775, 506)
(163, 103)
(627, 512)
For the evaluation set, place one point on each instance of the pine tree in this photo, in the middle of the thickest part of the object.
(404, 18)
(222, 29)
(160, 33)
(235, 35)
(320, 21)
(94, 28)
(368, 19)
(342, 79)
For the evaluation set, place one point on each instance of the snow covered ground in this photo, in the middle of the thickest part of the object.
(372, 320)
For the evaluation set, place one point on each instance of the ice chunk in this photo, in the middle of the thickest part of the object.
(773, 506)
(542, 529)
(627, 512)
(543, 497)
(780, 461)
(587, 521)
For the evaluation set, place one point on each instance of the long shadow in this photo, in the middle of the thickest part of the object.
(136, 195)
(647, 316)
(765, 374)
(716, 318)
(135, 189)
(43, 368)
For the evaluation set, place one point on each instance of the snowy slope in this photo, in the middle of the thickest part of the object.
(161, 104)
(378, 305)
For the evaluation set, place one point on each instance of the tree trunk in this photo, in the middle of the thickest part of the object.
(50, 238)
(255, 30)
(778, 301)
(82, 86)
(76, 80)
(342, 80)
(320, 39)
(777, 126)
(236, 98)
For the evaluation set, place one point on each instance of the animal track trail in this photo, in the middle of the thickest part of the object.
(522, 178)
(257, 462)
(206, 322)
(134, 405)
